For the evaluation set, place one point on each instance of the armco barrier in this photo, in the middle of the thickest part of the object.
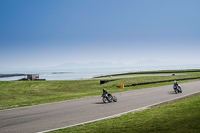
(105, 81)
(150, 72)
(144, 83)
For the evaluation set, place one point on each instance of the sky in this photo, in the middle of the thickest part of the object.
(45, 33)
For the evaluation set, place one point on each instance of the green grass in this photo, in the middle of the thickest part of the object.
(25, 93)
(178, 117)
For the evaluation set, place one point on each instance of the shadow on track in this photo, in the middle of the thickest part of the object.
(99, 103)
(171, 92)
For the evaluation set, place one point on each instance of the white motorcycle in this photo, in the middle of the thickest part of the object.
(177, 89)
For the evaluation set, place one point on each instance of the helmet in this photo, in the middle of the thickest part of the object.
(174, 81)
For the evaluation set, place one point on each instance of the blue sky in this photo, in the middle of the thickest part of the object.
(45, 33)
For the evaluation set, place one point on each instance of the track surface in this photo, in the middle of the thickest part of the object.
(61, 114)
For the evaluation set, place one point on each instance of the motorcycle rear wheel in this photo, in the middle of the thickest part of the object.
(105, 100)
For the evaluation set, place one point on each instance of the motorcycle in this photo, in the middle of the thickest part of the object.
(109, 98)
(177, 89)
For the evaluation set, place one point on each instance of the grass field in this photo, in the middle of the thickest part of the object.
(178, 117)
(26, 93)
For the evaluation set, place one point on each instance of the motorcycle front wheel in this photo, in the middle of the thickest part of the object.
(176, 91)
(114, 99)
(180, 90)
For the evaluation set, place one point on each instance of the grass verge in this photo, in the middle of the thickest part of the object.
(178, 117)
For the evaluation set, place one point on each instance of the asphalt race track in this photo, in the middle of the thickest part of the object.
(46, 117)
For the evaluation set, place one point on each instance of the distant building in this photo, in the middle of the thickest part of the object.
(32, 76)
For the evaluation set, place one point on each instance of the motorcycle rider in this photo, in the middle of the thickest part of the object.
(105, 92)
(175, 83)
